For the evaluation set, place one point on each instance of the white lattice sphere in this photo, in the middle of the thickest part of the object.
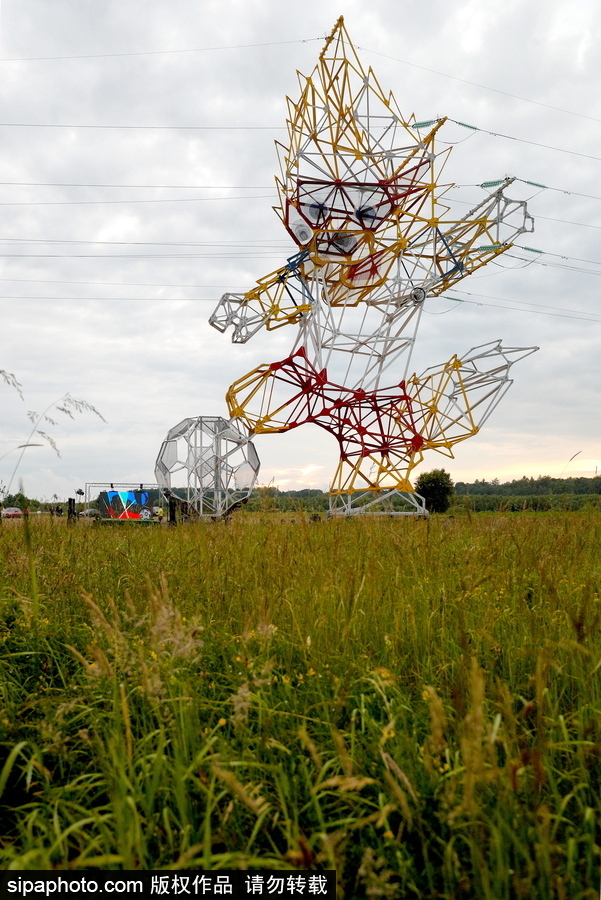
(208, 462)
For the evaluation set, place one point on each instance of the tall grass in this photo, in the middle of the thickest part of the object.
(416, 704)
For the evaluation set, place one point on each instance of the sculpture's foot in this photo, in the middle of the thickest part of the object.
(377, 503)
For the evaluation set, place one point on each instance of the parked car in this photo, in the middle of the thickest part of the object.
(90, 514)
(11, 512)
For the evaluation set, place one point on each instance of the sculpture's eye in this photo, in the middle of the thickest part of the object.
(343, 242)
(302, 232)
(366, 215)
(318, 212)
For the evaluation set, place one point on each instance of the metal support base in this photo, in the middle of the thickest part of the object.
(360, 504)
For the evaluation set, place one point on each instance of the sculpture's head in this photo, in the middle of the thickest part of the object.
(354, 173)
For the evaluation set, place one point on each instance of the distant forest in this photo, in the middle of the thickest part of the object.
(535, 494)
(520, 487)
(530, 487)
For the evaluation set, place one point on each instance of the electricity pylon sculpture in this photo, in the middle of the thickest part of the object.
(359, 195)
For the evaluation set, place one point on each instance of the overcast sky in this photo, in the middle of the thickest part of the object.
(116, 242)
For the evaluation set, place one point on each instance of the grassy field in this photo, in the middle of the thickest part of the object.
(416, 704)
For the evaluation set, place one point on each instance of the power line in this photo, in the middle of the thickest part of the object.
(554, 312)
(557, 265)
(257, 187)
(123, 299)
(145, 127)
(156, 52)
(155, 284)
(593, 262)
(510, 137)
(544, 306)
(140, 256)
(301, 41)
(260, 254)
(186, 187)
(113, 202)
(566, 222)
(546, 187)
(489, 184)
(532, 311)
(484, 87)
(473, 128)
(275, 245)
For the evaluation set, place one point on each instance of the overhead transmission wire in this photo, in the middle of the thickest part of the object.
(139, 256)
(544, 306)
(554, 265)
(509, 137)
(252, 187)
(417, 125)
(541, 309)
(275, 244)
(187, 187)
(485, 87)
(266, 244)
(155, 284)
(265, 254)
(265, 187)
(486, 185)
(298, 41)
(102, 126)
(536, 184)
(262, 127)
(158, 52)
(266, 248)
(562, 312)
(580, 316)
(120, 299)
(114, 202)
(275, 255)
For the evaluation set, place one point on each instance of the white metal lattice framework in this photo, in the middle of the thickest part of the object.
(208, 463)
(360, 196)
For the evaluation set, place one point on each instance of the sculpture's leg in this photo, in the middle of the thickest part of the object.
(379, 446)
(382, 434)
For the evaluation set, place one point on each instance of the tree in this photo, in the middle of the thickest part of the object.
(437, 489)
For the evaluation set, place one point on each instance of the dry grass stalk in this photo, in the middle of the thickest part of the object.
(257, 805)
(473, 736)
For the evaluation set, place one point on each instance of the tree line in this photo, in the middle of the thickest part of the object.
(534, 487)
